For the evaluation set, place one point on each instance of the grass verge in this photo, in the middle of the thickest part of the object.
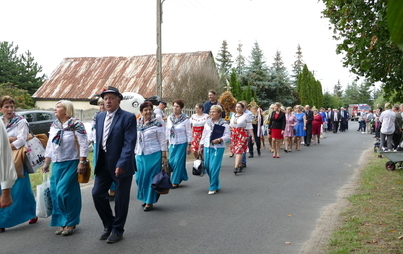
(373, 221)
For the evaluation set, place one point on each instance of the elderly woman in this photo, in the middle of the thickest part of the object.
(197, 122)
(24, 206)
(277, 126)
(316, 126)
(151, 153)
(67, 149)
(241, 128)
(213, 149)
(290, 122)
(299, 128)
(179, 136)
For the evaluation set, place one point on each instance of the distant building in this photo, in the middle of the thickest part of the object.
(78, 79)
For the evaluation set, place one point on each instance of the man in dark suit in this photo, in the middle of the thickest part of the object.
(116, 133)
(344, 119)
(308, 126)
(336, 118)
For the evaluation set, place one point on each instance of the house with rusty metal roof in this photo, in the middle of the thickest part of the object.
(78, 79)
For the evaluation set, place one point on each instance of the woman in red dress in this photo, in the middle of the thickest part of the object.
(241, 128)
(316, 125)
(277, 126)
(197, 122)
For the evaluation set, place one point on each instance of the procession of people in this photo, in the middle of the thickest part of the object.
(125, 146)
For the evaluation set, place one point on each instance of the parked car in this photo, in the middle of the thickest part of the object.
(39, 120)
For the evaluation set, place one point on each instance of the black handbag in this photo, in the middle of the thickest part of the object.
(198, 167)
(161, 183)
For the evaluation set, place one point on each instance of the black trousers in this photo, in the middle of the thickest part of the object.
(103, 180)
(335, 126)
(308, 137)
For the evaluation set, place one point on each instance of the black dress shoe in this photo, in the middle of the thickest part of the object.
(148, 208)
(143, 205)
(250, 156)
(114, 238)
(105, 234)
(243, 165)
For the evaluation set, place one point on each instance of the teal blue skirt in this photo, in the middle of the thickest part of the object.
(24, 205)
(147, 167)
(212, 162)
(177, 162)
(66, 194)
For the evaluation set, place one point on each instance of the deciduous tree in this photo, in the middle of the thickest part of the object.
(362, 30)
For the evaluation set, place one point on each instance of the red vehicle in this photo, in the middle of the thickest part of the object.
(355, 109)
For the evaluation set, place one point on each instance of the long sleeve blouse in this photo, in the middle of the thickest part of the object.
(151, 140)
(182, 130)
(208, 129)
(20, 131)
(67, 150)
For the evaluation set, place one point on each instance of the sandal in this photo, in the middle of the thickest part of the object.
(59, 231)
(68, 231)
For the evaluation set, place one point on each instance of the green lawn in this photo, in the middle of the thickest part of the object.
(373, 221)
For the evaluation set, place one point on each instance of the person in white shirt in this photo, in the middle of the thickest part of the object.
(159, 111)
(197, 122)
(387, 119)
(214, 149)
(241, 129)
(151, 153)
(8, 175)
(67, 149)
(179, 136)
(24, 205)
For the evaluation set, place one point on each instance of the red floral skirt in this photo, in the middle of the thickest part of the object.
(239, 140)
(196, 137)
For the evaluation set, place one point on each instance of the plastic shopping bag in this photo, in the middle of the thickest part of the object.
(43, 200)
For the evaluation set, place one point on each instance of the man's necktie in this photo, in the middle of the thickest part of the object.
(106, 131)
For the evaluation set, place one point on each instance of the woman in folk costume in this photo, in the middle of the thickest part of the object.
(24, 205)
(214, 149)
(257, 128)
(277, 126)
(179, 136)
(151, 153)
(197, 122)
(300, 132)
(67, 149)
(290, 122)
(241, 128)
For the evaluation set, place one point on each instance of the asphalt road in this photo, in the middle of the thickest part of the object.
(270, 208)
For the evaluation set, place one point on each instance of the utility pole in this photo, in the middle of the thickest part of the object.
(159, 44)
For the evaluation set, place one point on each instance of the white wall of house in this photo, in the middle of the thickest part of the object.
(50, 104)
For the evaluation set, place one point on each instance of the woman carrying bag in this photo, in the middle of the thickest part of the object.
(24, 205)
(67, 159)
(213, 149)
(151, 153)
